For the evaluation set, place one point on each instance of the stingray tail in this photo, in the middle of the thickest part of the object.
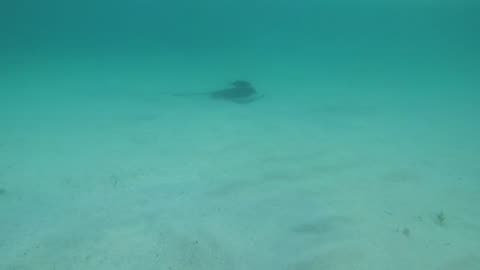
(186, 94)
(190, 94)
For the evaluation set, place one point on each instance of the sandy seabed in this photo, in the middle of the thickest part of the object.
(311, 179)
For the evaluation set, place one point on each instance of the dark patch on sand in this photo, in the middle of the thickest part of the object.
(240, 91)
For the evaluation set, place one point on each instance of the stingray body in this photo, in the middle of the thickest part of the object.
(239, 92)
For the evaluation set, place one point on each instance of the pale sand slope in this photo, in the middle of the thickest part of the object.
(290, 182)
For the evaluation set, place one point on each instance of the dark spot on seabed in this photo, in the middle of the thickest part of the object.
(440, 218)
(3, 191)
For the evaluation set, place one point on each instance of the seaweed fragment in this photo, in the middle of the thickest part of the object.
(440, 218)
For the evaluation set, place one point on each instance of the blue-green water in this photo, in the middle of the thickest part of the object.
(362, 154)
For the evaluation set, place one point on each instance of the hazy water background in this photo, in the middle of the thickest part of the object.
(367, 137)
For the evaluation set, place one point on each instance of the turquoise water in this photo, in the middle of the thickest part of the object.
(362, 154)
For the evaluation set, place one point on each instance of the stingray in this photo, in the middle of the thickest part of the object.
(239, 92)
